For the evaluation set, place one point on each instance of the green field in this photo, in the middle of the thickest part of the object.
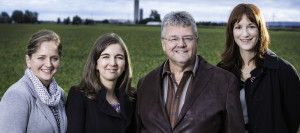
(143, 43)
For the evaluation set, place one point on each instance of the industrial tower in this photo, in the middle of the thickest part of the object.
(136, 11)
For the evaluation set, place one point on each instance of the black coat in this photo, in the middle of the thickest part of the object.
(272, 96)
(87, 116)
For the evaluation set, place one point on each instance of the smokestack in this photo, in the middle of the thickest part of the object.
(136, 11)
(141, 15)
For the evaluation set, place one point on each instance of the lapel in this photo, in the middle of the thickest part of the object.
(48, 114)
(203, 76)
(104, 106)
(62, 114)
(42, 107)
(158, 94)
(126, 105)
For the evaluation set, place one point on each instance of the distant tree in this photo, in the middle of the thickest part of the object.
(30, 17)
(35, 17)
(105, 21)
(58, 20)
(155, 16)
(4, 17)
(17, 16)
(4, 14)
(146, 20)
(67, 20)
(208, 23)
(27, 16)
(89, 22)
(76, 20)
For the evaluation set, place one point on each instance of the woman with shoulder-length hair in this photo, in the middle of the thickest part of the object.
(36, 104)
(269, 85)
(104, 101)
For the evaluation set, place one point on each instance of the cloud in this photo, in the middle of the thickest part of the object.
(202, 10)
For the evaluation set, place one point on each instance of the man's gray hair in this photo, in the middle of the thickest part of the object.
(178, 18)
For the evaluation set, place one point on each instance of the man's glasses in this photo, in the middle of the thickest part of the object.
(176, 39)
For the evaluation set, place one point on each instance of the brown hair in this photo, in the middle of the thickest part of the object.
(231, 54)
(90, 83)
(43, 36)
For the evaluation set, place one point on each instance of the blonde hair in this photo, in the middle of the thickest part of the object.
(43, 36)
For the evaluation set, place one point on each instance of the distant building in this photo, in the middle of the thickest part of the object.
(136, 11)
(153, 23)
(141, 14)
(119, 21)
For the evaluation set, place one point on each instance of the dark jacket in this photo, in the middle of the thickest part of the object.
(272, 96)
(87, 116)
(212, 106)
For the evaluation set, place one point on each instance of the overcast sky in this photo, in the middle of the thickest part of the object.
(202, 10)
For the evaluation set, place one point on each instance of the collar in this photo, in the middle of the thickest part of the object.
(102, 93)
(271, 60)
(166, 67)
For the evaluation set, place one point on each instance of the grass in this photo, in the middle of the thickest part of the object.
(143, 43)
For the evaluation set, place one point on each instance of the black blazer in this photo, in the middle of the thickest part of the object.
(87, 116)
(272, 96)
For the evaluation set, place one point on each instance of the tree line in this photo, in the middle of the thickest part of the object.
(76, 21)
(32, 17)
(19, 17)
(154, 16)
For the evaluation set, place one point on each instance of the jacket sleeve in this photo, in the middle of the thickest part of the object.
(290, 86)
(75, 110)
(234, 117)
(137, 116)
(14, 111)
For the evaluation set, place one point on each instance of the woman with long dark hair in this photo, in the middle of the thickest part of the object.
(104, 101)
(269, 85)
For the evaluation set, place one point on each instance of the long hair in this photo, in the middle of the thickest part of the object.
(90, 83)
(231, 54)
